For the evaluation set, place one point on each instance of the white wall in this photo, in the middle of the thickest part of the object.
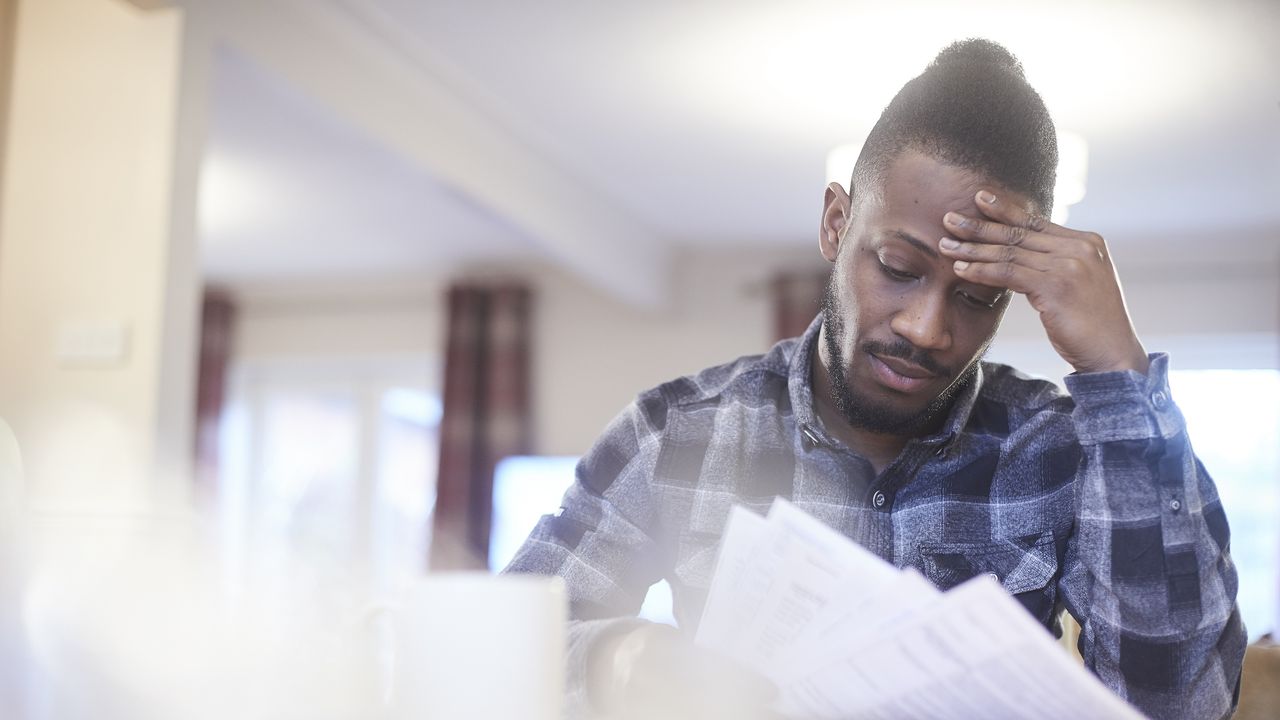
(85, 254)
(328, 320)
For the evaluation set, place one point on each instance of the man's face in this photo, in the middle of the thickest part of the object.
(903, 333)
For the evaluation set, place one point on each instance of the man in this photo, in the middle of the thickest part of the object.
(882, 421)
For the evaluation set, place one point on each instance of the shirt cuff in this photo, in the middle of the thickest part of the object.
(584, 637)
(1125, 404)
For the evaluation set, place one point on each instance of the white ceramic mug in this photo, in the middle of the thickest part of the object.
(464, 646)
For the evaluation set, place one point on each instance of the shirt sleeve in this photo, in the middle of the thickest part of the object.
(1147, 572)
(603, 539)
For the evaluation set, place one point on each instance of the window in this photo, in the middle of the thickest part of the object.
(1233, 418)
(329, 471)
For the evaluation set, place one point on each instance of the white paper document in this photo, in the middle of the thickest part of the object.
(844, 634)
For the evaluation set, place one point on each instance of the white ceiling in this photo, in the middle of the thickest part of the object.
(290, 192)
(662, 124)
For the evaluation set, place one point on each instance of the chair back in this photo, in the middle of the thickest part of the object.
(1260, 684)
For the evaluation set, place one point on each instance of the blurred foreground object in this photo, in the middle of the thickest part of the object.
(473, 645)
(1260, 681)
(655, 672)
(137, 618)
(12, 643)
(10, 467)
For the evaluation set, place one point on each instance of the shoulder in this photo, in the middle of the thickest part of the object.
(750, 379)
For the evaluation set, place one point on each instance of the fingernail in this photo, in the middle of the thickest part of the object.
(961, 265)
(948, 244)
(954, 219)
(987, 197)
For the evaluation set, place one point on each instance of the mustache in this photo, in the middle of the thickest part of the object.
(904, 350)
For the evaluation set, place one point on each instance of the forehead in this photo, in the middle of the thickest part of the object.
(918, 189)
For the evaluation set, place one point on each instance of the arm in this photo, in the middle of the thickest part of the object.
(1147, 573)
(602, 541)
(608, 543)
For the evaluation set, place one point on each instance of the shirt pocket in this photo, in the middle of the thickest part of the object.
(1025, 567)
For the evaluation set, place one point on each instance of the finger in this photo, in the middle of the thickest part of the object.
(1011, 213)
(989, 253)
(1017, 278)
(996, 233)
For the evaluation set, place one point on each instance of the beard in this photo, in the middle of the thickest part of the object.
(865, 413)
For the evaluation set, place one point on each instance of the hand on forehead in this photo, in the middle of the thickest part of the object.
(917, 182)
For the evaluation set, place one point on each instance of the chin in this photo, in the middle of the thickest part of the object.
(871, 406)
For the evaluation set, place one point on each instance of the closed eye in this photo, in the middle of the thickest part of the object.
(980, 303)
(895, 273)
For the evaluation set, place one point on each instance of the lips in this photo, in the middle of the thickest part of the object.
(900, 375)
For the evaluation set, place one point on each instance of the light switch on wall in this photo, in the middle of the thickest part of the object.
(93, 344)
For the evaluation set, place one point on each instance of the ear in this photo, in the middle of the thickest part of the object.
(835, 217)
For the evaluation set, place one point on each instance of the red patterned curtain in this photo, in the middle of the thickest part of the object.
(217, 322)
(797, 297)
(486, 415)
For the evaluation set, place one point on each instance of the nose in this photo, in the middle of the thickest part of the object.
(923, 321)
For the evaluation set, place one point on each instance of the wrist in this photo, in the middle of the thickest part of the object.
(1135, 359)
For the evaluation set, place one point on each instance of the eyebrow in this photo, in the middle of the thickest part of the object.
(928, 250)
(919, 244)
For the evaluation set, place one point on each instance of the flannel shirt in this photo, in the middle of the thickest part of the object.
(1091, 501)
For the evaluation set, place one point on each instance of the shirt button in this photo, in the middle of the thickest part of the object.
(993, 576)
(1160, 399)
(808, 437)
(1174, 505)
(879, 499)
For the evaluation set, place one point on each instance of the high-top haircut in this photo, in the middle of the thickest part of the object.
(971, 108)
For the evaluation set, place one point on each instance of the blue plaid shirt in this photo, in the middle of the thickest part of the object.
(1093, 502)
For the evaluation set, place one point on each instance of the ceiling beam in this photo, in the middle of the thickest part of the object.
(345, 64)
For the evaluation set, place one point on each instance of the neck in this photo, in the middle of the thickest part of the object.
(880, 449)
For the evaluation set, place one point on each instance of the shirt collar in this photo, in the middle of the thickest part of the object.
(800, 384)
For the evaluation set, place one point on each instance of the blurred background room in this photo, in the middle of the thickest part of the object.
(303, 299)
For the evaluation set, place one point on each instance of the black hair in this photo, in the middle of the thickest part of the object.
(971, 108)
